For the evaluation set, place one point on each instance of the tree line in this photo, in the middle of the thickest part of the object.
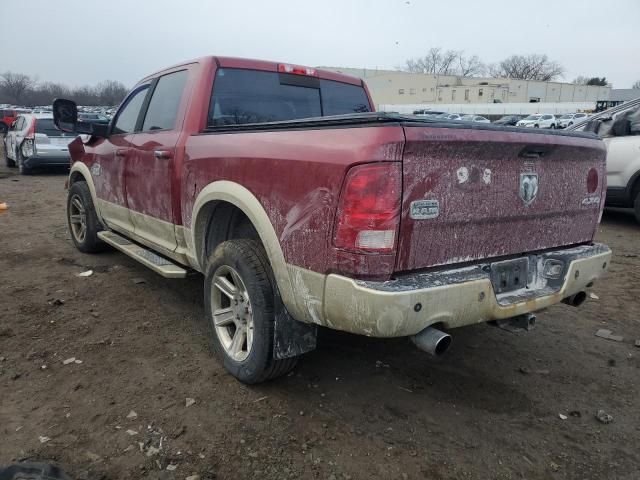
(23, 90)
(438, 61)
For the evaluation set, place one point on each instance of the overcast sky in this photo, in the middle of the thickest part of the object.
(85, 41)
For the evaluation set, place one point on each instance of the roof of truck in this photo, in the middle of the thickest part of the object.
(253, 64)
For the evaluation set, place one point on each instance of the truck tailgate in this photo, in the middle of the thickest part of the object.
(472, 194)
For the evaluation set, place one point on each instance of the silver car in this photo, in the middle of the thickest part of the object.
(34, 141)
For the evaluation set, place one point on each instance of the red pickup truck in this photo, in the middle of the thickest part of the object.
(303, 207)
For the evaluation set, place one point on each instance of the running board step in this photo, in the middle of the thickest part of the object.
(147, 257)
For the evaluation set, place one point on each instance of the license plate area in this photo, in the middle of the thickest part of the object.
(509, 275)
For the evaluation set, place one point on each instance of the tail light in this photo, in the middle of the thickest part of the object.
(297, 70)
(31, 133)
(369, 209)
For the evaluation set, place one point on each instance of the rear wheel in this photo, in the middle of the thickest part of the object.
(22, 168)
(82, 219)
(553, 126)
(536, 126)
(239, 303)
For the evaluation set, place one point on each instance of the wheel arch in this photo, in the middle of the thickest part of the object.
(232, 193)
(80, 173)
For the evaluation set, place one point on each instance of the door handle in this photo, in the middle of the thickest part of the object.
(121, 152)
(164, 154)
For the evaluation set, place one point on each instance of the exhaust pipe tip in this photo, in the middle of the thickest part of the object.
(576, 300)
(433, 341)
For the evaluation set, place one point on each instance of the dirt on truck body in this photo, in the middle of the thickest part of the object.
(303, 208)
(356, 407)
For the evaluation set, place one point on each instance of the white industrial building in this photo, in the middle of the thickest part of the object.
(389, 87)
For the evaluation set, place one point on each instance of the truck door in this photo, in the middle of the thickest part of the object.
(152, 182)
(111, 156)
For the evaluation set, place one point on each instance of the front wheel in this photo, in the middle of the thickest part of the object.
(553, 126)
(7, 161)
(82, 219)
(636, 207)
(536, 126)
(239, 302)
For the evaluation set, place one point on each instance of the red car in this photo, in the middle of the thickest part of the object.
(7, 117)
(303, 207)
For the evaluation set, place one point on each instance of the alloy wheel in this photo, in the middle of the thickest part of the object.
(78, 218)
(231, 312)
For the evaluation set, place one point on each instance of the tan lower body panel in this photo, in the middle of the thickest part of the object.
(349, 306)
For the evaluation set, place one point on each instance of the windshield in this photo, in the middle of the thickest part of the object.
(533, 117)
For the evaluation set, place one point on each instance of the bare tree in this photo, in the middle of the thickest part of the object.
(528, 67)
(14, 85)
(470, 66)
(110, 92)
(636, 85)
(449, 62)
(581, 80)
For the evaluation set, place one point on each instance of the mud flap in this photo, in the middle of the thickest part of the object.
(291, 337)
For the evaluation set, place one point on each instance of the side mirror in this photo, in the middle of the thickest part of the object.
(65, 117)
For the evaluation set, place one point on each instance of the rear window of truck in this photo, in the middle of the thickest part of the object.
(251, 96)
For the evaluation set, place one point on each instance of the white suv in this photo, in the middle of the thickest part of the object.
(569, 119)
(619, 127)
(538, 121)
(34, 141)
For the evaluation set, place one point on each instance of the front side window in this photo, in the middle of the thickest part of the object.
(128, 114)
(163, 107)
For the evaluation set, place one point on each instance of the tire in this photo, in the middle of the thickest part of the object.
(82, 219)
(636, 207)
(7, 161)
(21, 167)
(553, 126)
(3, 128)
(242, 333)
(536, 126)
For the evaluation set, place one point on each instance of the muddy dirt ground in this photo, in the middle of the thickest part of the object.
(354, 408)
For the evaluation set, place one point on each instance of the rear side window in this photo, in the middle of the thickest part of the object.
(163, 107)
(251, 96)
(128, 114)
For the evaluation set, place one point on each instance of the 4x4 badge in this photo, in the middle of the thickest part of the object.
(528, 187)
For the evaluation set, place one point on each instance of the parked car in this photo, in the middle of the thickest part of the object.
(620, 129)
(450, 116)
(34, 141)
(93, 118)
(508, 120)
(569, 119)
(427, 113)
(7, 117)
(538, 121)
(474, 118)
(362, 221)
